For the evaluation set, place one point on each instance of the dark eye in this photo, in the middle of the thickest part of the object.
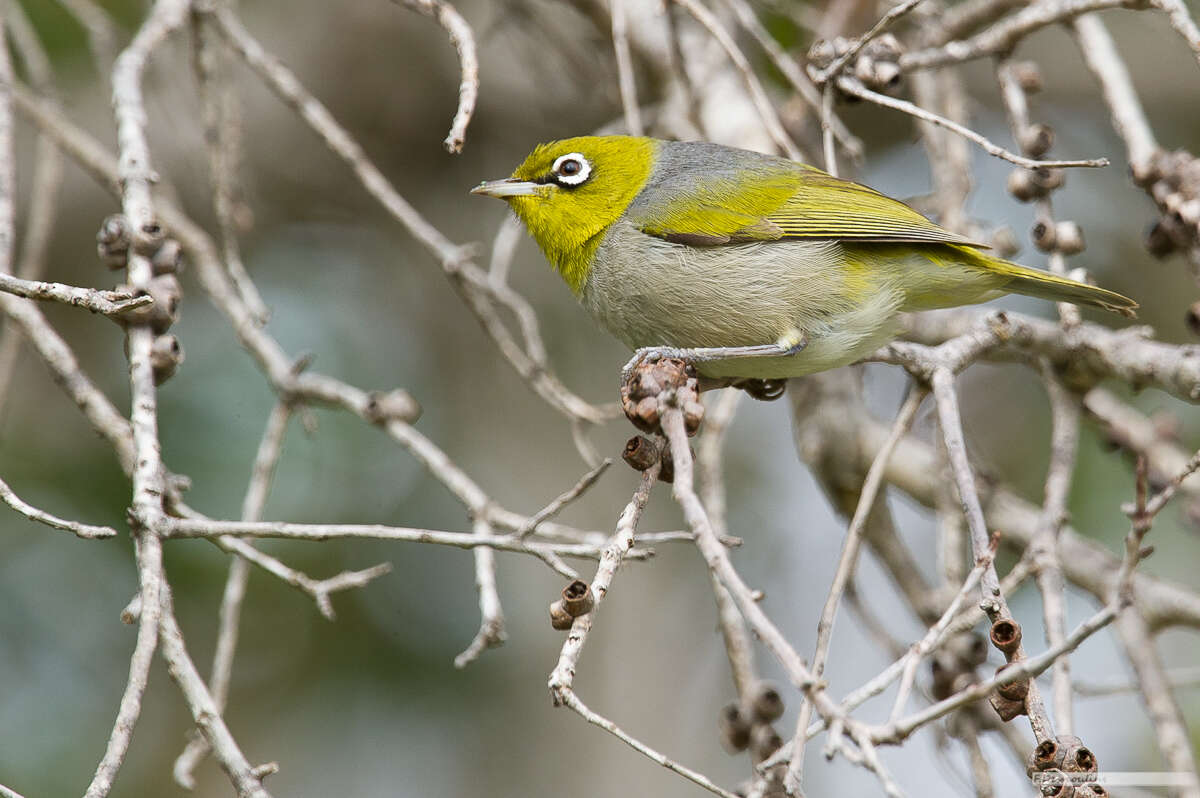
(571, 170)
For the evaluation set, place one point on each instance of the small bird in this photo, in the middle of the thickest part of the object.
(749, 266)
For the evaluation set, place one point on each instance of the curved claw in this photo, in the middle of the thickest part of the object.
(648, 354)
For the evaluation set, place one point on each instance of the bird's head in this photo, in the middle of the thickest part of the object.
(568, 192)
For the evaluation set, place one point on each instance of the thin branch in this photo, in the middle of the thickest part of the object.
(722, 569)
(319, 590)
(562, 500)
(845, 570)
(87, 531)
(491, 627)
(221, 116)
(838, 64)
(1064, 443)
(1170, 726)
(207, 715)
(468, 279)
(106, 303)
(463, 40)
(203, 528)
(102, 32)
(1004, 35)
(1182, 22)
(625, 79)
(146, 510)
(896, 732)
(855, 87)
(829, 152)
(903, 668)
(151, 586)
(1160, 499)
(759, 97)
(614, 553)
(794, 74)
(992, 600)
(1129, 119)
(1129, 355)
(718, 559)
(566, 696)
(45, 184)
(229, 616)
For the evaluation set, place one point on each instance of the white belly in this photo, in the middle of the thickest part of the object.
(666, 294)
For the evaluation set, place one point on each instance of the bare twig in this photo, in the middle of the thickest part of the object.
(566, 696)
(203, 528)
(471, 281)
(1026, 667)
(106, 303)
(146, 510)
(1181, 20)
(45, 184)
(738, 645)
(102, 32)
(41, 516)
(821, 77)
(229, 616)
(463, 40)
(245, 777)
(845, 570)
(794, 74)
(1089, 350)
(854, 87)
(563, 676)
(625, 79)
(1164, 711)
(993, 601)
(1001, 37)
(828, 150)
(762, 103)
(718, 560)
(562, 500)
(1129, 119)
(319, 590)
(221, 116)
(618, 548)
(491, 626)
(1064, 442)
(1160, 499)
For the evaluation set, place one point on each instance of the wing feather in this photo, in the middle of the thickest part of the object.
(793, 202)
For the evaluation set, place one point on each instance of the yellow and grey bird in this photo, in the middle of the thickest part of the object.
(748, 265)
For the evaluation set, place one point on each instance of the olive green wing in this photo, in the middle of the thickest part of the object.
(799, 202)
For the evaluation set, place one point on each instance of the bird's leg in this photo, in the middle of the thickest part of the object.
(791, 343)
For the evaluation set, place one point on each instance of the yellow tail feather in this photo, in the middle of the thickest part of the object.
(1044, 285)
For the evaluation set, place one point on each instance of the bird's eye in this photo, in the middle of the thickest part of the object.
(571, 169)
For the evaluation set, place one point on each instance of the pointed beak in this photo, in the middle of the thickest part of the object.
(502, 189)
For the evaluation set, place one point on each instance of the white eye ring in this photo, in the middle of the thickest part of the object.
(585, 169)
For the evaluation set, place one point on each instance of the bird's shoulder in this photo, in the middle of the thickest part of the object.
(704, 194)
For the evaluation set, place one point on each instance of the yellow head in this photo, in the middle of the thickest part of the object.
(567, 193)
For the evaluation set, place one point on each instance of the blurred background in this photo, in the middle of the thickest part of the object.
(370, 705)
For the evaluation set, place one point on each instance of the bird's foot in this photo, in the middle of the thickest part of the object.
(791, 343)
(762, 390)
